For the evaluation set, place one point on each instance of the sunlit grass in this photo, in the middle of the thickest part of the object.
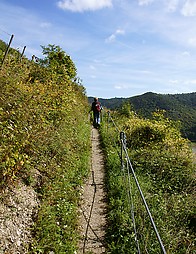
(164, 167)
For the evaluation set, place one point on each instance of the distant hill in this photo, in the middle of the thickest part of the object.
(178, 107)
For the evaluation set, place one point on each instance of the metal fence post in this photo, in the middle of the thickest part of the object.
(6, 52)
(22, 53)
(122, 136)
(108, 120)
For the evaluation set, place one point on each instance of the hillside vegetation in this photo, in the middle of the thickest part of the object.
(45, 139)
(45, 144)
(163, 163)
(180, 107)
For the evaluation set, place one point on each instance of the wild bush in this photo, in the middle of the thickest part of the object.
(45, 139)
(163, 163)
(157, 148)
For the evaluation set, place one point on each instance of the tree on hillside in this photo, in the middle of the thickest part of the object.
(126, 109)
(58, 60)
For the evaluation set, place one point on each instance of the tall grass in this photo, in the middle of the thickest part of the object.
(45, 142)
(164, 167)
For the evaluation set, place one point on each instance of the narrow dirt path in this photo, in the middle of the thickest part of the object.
(93, 207)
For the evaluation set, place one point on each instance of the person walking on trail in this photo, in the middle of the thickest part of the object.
(96, 108)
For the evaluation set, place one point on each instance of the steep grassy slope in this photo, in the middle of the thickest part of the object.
(45, 135)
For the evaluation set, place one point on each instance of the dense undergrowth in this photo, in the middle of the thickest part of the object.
(163, 163)
(45, 135)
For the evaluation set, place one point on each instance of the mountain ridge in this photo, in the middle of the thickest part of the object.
(177, 106)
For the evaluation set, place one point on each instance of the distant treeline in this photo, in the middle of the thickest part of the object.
(180, 107)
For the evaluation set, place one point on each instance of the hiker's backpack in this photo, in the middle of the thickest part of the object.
(98, 106)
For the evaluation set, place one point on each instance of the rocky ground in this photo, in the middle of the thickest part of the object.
(18, 206)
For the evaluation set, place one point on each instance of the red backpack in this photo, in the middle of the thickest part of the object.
(98, 106)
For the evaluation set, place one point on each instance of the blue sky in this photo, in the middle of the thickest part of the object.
(121, 48)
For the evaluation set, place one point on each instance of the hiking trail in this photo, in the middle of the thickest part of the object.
(93, 205)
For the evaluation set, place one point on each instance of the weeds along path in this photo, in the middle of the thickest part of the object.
(93, 206)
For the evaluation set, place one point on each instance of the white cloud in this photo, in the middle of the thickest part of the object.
(192, 41)
(112, 37)
(145, 2)
(174, 82)
(189, 8)
(181, 85)
(190, 82)
(186, 53)
(122, 86)
(45, 24)
(172, 5)
(83, 5)
(92, 67)
(118, 87)
(120, 31)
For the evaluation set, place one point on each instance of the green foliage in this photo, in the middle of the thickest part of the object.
(119, 235)
(3, 47)
(163, 163)
(181, 107)
(158, 148)
(58, 61)
(126, 109)
(58, 214)
(45, 142)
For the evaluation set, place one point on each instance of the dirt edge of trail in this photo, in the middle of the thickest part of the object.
(93, 205)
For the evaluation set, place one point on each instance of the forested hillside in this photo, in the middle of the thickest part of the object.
(180, 107)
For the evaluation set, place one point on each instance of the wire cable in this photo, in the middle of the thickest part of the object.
(129, 192)
(144, 201)
(5, 32)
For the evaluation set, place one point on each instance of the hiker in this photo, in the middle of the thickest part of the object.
(96, 108)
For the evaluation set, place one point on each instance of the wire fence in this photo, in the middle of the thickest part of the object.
(8, 38)
(130, 175)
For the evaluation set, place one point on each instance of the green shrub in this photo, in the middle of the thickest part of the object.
(157, 148)
(44, 134)
(163, 164)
